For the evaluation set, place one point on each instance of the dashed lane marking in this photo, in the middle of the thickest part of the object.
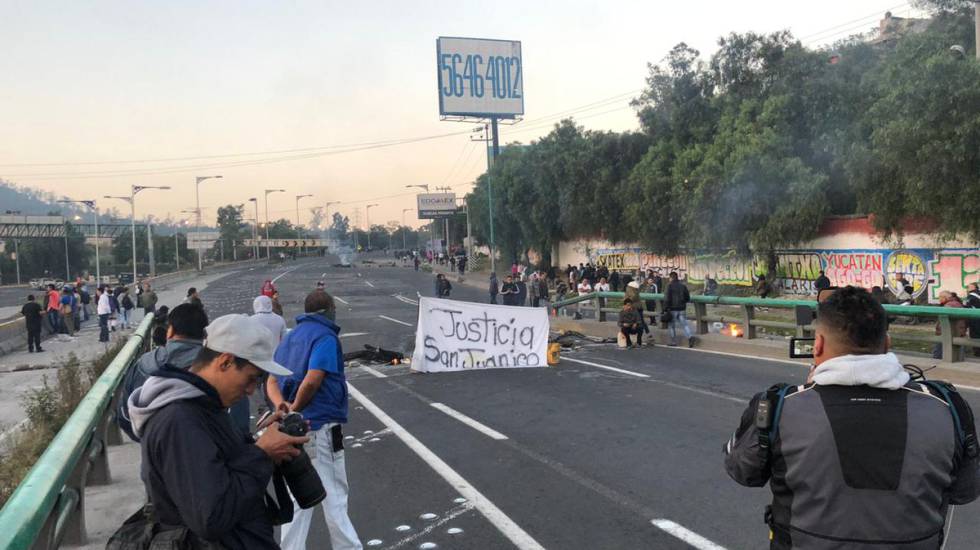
(386, 318)
(476, 425)
(407, 300)
(352, 334)
(520, 538)
(685, 535)
(607, 367)
(284, 273)
(375, 373)
(341, 300)
(369, 283)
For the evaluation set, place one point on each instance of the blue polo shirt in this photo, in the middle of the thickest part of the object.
(314, 344)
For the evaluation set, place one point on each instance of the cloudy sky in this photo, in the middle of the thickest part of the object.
(100, 95)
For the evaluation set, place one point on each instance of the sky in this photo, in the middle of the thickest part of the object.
(100, 95)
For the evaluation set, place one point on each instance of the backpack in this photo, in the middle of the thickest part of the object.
(126, 302)
(86, 299)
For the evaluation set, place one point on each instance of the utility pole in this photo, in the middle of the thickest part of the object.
(268, 246)
(149, 246)
(298, 234)
(255, 227)
(976, 23)
(197, 227)
(405, 228)
(133, 190)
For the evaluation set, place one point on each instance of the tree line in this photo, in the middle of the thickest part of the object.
(751, 149)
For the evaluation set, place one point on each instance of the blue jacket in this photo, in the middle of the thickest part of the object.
(314, 344)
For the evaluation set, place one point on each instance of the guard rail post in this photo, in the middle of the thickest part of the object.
(700, 312)
(599, 303)
(946, 333)
(748, 313)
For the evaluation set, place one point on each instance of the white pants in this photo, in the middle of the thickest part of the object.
(333, 474)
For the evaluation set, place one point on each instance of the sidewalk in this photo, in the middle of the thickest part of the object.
(769, 347)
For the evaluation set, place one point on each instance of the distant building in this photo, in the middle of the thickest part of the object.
(892, 28)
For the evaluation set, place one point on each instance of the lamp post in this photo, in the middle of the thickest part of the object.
(446, 220)
(268, 246)
(95, 210)
(255, 228)
(132, 205)
(367, 220)
(197, 204)
(405, 228)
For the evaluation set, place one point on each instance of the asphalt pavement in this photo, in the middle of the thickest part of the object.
(611, 449)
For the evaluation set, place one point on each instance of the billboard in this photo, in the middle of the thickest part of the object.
(480, 77)
(434, 206)
(202, 240)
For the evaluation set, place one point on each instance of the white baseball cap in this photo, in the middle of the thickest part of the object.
(245, 338)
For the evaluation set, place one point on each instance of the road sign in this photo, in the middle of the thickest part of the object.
(202, 240)
(480, 77)
(287, 243)
(436, 206)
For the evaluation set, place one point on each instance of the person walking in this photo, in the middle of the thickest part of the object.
(54, 310)
(126, 306)
(103, 309)
(494, 288)
(675, 301)
(148, 300)
(32, 312)
(317, 388)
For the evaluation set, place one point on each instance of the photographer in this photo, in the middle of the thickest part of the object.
(200, 474)
(859, 456)
(314, 385)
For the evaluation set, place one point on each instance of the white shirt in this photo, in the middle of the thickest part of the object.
(103, 307)
(584, 288)
(602, 287)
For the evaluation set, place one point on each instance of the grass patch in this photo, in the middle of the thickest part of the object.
(47, 408)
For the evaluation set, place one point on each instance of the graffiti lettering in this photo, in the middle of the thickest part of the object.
(952, 271)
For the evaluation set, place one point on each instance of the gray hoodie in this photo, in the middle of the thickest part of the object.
(262, 306)
(179, 352)
(155, 394)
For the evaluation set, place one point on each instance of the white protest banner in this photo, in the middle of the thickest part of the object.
(460, 336)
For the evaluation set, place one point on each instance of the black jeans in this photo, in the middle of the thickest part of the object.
(638, 331)
(103, 327)
(34, 338)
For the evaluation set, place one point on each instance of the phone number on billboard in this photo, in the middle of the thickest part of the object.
(475, 77)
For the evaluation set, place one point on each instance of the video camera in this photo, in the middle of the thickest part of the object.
(802, 348)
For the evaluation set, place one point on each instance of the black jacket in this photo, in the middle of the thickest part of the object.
(677, 296)
(199, 473)
(32, 315)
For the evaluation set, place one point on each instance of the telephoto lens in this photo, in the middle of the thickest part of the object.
(303, 481)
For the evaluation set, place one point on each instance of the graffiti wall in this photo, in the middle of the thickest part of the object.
(928, 271)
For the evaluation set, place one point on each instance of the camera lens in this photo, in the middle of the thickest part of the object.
(303, 481)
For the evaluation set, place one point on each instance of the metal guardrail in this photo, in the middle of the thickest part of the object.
(950, 344)
(48, 507)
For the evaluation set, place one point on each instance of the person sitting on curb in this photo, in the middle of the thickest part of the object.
(629, 323)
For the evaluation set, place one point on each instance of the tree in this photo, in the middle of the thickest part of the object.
(339, 226)
(231, 228)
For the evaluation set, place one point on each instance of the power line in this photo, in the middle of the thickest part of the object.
(850, 25)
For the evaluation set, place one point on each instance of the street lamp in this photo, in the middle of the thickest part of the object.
(255, 228)
(404, 228)
(95, 210)
(132, 205)
(268, 246)
(197, 227)
(298, 234)
(367, 219)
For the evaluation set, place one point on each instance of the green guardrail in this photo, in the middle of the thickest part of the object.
(802, 326)
(48, 507)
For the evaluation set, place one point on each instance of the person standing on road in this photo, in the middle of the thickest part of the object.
(32, 319)
(509, 291)
(532, 289)
(973, 302)
(416, 262)
(148, 300)
(494, 288)
(276, 305)
(193, 297)
(84, 299)
(125, 305)
(262, 312)
(103, 309)
(200, 473)
(268, 289)
(958, 326)
(67, 311)
(53, 310)
(317, 388)
(544, 294)
(675, 301)
(859, 457)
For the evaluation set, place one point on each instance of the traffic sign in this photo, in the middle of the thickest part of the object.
(286, 243)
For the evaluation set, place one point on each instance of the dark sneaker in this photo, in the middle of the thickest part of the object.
(690, 342)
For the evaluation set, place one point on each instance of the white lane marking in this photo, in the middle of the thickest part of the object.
(323, 275)
(365, 438)
(686, 535)
(494, 515)
(482, 428)
(742, 356)
(284, 273)
(449, 516)
(369, 283)
(352, 334)
(607, 367)
(401, 298)
(375, 373)
(386, 318)
(341, 300)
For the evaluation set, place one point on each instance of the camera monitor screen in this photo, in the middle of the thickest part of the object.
(801, 348)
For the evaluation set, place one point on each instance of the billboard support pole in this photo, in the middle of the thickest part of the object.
(491, 156)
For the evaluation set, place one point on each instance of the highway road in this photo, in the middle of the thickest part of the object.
(611, 449)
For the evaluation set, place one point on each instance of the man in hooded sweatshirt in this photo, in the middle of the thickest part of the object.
(262, 306)
(199, 472)
(859, 457)
(315, 386)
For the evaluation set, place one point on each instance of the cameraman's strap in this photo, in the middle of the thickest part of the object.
(963, 421)
(768, 411)
(280, 507)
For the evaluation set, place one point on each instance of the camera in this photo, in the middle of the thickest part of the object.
(801, 348)
(303, 481)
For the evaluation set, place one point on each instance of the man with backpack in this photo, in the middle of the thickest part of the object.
(675, 302)
(859, 457)
(185, 337)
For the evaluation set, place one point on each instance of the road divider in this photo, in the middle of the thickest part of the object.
(520, 538)
(476, 425)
